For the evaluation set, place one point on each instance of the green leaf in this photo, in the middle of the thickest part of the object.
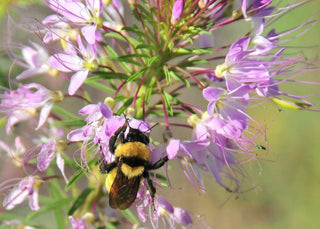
(128, 59)
(166, 73)
(74, 179)
(149, 91)
(73, 122)
(99, 86)
(101, 75)
(146, 46)
(152, 60)
(180, 78)
(57, 194)
(62, 111)
(134, 29)
(185, 51)
(111, 225)
(137, 74)
(130, 216)
(167, 98)
(113, 54)
(117, 36)
(79, 201)
(125, 105)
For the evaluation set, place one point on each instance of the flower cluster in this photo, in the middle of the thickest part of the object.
(134, 69)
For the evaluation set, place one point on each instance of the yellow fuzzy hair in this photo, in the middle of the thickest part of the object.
(130, 171)
(133, 149)
(110, 178)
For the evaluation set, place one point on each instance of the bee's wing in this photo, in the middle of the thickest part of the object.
(124, 190)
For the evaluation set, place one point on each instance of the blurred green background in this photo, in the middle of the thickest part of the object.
(288, 181)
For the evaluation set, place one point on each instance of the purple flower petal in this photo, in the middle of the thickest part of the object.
(173, 148)
(212, 93)
(66, 63)
(89, 32)
(14, 198)
(95, 6)
(77, 135)
(74, 11)
(60, 164)
(182, 216)
(46, 155)
(44, 114)
(34, 200)
(105, 110)
(163, 203)
(77, 80)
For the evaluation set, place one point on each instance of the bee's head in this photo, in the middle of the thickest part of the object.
(135, 135)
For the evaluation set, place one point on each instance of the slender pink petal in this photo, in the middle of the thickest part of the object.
(77, 80)
(74, 11)
(89, 33)
(44, 114)
(65, 62)
(173, 148)
(60, 164)
(34, 200)
(14, 198)
(46, 155)
(77, 135)
(95, 6)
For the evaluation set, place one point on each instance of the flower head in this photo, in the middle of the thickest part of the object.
(85, 16)
(81, 64)
(27, 188)
(35, 61)
(26, 102)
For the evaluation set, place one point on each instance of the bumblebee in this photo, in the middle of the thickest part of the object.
(131, 165)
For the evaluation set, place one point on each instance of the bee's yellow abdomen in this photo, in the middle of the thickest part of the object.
(133, 149)
(130, 172)
(110, 178)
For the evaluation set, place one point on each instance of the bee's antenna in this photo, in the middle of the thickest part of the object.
(157, 123)
(126, 120)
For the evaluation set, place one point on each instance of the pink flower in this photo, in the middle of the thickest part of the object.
(28, 188)
(15, 154)
(35, 61)
(167, 216)
(25, 102)
(86, 16)
(80, 62)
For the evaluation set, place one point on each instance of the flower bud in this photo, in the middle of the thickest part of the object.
(177, 11)
(202, 3)
(220, 70)
(193, 120)
(131, 111)
(110, 102)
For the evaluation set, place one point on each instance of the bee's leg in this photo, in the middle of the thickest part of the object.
(158, 164)
(113, 139)
(151, 188)
(107, 167)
